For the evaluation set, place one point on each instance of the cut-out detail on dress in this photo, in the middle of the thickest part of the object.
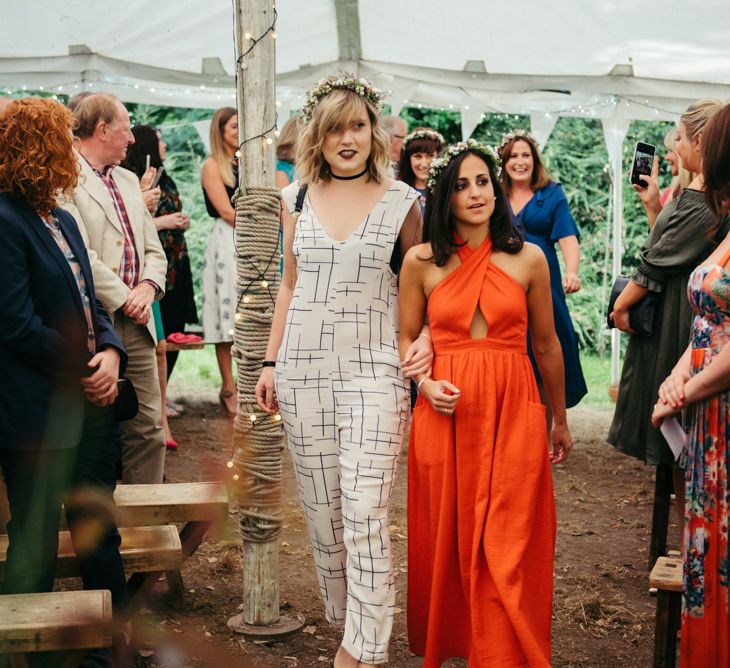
(479, 323)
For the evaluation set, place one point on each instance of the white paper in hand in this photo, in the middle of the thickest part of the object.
(675, 436)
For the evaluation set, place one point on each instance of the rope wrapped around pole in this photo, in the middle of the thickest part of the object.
(257, 435)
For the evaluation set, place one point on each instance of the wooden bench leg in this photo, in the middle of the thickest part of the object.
(140, 585)
(191, 536)
(75, 658)
(70, 659)
(661, 629)
(176, 587)
(675, 624)
(663, 488)
(668, 621)
(18, 661)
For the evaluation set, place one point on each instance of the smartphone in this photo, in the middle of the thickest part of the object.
(643, 161)
(157, 178)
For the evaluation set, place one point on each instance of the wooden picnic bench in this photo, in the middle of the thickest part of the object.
(150, 545)
(666, 578)
(143, 549)
(195, 505)
(62, 620)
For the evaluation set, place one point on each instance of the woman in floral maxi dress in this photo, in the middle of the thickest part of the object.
(701, 382)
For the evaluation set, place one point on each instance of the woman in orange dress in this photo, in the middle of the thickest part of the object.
(481, 513)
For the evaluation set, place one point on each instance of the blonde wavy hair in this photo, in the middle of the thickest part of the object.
(217, 150)
(697, 114)
(334, 112)
(684, 176)
(286, 144)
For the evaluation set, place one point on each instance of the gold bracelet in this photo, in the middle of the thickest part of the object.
(428, 336)
(420, 382)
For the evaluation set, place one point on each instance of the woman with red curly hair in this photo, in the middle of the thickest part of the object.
(60, 360)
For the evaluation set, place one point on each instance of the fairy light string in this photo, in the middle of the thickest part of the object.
(255, 463)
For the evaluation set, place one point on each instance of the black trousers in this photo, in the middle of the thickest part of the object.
(83, 479)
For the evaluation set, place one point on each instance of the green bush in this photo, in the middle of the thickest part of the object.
(575, 154)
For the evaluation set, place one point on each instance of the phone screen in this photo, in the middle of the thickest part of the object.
(158, 176)
(643, 159)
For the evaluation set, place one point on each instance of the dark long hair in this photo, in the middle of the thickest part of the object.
(716, 159)
(420, 145)
(146, 142)
(440, 226)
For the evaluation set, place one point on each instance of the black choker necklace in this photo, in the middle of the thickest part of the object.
(349, 178)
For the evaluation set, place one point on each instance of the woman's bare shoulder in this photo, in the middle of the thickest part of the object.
(419, 254)
(209, 169)
(531, 253)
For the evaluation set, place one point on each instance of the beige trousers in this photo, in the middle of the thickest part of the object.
(143, 441)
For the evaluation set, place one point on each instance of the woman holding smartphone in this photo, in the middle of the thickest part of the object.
(685, 233)
(700, 385)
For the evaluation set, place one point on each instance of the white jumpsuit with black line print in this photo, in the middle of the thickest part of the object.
(344, 404)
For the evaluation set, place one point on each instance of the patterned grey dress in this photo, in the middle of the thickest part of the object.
(344, 403)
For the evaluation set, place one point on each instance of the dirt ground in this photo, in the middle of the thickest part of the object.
(603, 615)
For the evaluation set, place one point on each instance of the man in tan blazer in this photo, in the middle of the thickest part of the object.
(129, 267)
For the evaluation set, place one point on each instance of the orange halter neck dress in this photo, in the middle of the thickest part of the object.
(481, 508)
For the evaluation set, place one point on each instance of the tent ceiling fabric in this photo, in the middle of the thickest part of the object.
(524, 56)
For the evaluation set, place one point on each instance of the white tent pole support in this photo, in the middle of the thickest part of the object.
(616, 264)
(614, 131)
(541, 126)
(348, 29)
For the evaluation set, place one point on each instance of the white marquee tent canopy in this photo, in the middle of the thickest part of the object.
(601, 58)
(616, 60)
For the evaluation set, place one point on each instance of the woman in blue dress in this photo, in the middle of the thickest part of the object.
(540, 209)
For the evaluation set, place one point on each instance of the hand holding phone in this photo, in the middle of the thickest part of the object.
(157, 178)
(145, 181)
(643, 160)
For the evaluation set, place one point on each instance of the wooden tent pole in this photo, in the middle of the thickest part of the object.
(257, 435)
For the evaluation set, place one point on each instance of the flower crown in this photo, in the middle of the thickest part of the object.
(440, 163)
(423, 133)
(525, 135)
(344, 81)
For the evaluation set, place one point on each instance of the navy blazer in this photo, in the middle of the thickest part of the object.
(43, 330)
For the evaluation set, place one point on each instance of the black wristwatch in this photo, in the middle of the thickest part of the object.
(266, 363)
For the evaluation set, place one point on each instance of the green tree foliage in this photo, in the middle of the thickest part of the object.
(185, 155)
(575, 155)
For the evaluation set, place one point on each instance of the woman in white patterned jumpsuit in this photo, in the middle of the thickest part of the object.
(337, 379)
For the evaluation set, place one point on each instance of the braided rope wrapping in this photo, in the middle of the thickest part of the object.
(257, 435)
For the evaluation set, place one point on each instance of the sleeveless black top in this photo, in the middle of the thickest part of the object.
(230, 190)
